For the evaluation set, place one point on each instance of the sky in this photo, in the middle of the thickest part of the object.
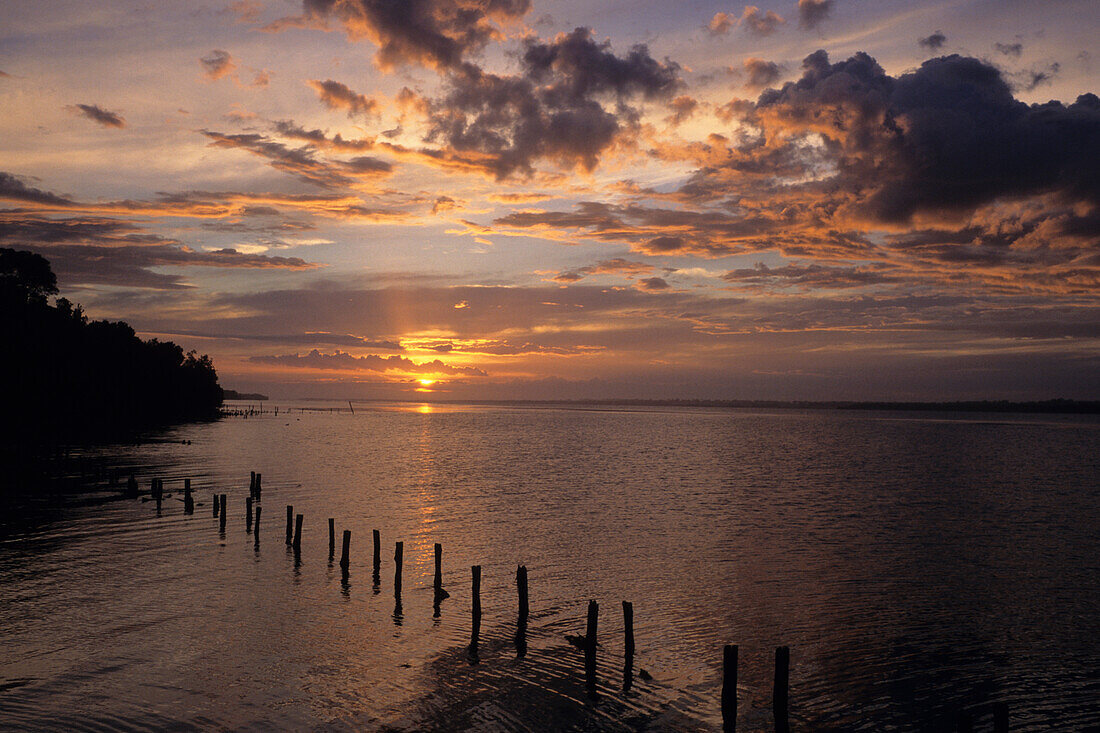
(534, 199)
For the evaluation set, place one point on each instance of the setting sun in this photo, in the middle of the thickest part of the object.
(426, 382)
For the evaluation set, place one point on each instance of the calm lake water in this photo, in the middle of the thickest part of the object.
(916, 564)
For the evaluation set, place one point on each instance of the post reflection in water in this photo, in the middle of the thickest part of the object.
(854, 539)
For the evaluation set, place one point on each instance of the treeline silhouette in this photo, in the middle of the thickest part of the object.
(64, 375)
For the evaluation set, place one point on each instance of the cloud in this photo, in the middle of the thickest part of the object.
(682, 107)
(301, 162)
(552, 109)
(616, 266)
(12, 188)
(652, 284)
(812, 12)
(85, 250)
(933, 42)
(760, 23)
(721, 23)
(217, 64)
(98, 114)
(341, 360)
(338, 96)
(434, 33)
(761, 73)
(1015, 50)
(811, 277)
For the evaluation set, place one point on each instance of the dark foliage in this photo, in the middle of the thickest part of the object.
(64, 375)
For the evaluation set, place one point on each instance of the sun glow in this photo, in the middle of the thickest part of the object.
(426, 382)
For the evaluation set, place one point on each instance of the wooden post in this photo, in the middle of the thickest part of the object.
(1000, 717)
(158, 492)
(298, 533)
(729, 688)
(222, 514)
(590, 648)
(438, 581)
(131, 486)
(780, 688)
(248, 514)
(521, 621)
(377, 553)
(331, 538)
(398, 554)
(256, 526)
(628, 645)
(475, 631)
(252, 485)
(344, 561)
(521, 589)
(259, 486)
(289, 524)
(217, 504)
(188, 500)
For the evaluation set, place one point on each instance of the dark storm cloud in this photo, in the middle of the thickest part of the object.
(761, 73)
(341, 360)
(812, 12)
(13, 189)
(914, 143)
(98, 114)
(551, 110)
(435, 33)
(338, 96)
(933, 42)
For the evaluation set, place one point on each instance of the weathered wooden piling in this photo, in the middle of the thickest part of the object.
(1000, 717)
(256, 527)
(298, 533)
(331, 538)
(259, 486)
(590, 648)
(437, 583)
(252, 484)
(344, 561)
(628, 645)
(131, 486)
(398, 555)
(217, 504)
(158, 492)
(780, 689)
(248, 514)
(377, 555)
(222, 513)
(521, 621)
(289, 524)
(729, 688)
(475, 611)
(188, 499)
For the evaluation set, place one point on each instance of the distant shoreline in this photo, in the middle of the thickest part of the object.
(1053, 406)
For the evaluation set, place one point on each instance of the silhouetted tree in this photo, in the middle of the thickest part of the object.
(64, 373)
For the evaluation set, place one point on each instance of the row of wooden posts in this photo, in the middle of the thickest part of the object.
(780, 682)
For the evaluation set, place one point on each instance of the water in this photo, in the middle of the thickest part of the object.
(916, 565)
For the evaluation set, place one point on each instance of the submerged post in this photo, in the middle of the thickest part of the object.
(248, 514)
(475, 630)
(780, 687)
(590, 648)
(729, 688)
(298, 533)
(289, 524)
(344, 561)
(331, 538)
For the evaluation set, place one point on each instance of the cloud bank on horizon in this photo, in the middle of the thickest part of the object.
(807, 200)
